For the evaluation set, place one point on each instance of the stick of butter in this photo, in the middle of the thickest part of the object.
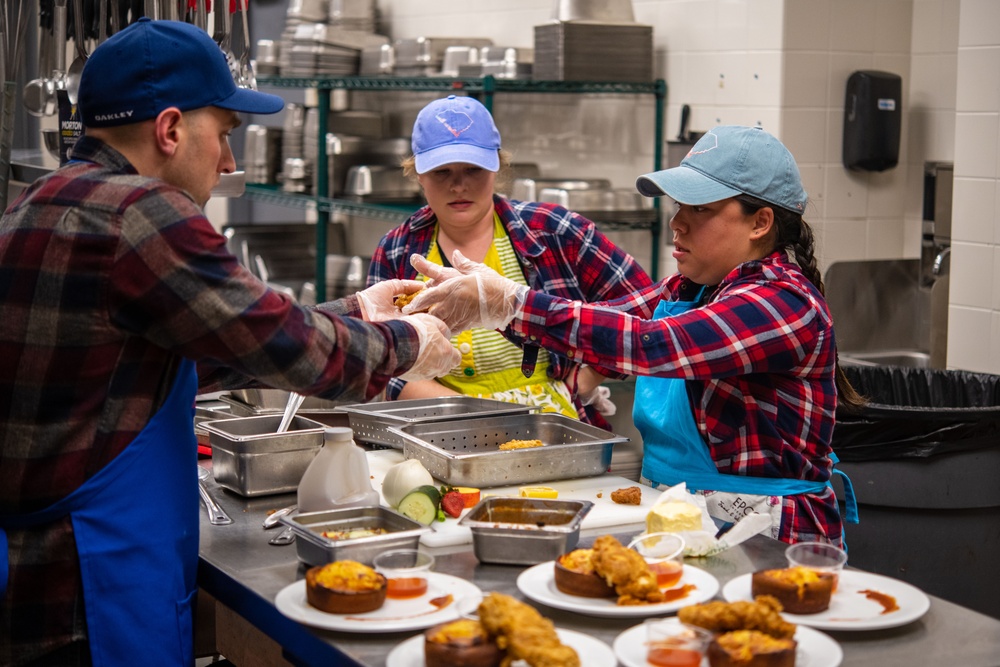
(538, 492)
(673, 516)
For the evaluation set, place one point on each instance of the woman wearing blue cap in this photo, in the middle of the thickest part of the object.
(736, 352)
(458, 161)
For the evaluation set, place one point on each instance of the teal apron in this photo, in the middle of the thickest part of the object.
(675, 452)
(136, 529)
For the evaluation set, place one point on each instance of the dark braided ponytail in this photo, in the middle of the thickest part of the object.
(795, 234)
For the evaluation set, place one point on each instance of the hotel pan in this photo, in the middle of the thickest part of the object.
(524, 531)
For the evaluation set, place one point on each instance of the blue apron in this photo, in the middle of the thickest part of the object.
(136, 529)
(675, 452)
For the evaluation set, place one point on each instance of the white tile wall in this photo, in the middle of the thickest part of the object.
(784, 64)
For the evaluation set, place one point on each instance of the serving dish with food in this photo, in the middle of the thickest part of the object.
(467, 451)
(862, 601)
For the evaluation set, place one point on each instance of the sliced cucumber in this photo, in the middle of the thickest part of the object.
(421, 504)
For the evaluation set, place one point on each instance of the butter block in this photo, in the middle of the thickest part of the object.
(673, 516)
(538, 492)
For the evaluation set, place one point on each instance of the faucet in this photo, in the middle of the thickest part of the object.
(939, 260)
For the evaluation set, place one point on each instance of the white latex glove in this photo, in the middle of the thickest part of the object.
(377, 301)
(468, 295)
(600, 398)
(437, 355)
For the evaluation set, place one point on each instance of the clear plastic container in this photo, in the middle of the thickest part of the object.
(338, 477)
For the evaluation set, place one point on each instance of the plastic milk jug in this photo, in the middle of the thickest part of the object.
(338, 477)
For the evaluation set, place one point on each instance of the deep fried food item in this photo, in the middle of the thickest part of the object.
(401, 300)
(762, 614)
(524, 633)
(751, 648)
(520, 444)
(626, 570)
(631, 495)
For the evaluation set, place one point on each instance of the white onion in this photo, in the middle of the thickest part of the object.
(402, 478)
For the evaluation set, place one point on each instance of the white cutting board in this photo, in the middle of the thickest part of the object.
(604, 514)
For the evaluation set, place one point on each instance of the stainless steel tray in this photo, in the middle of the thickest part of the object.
(465, 452)
(251, 459)
(274, 400)
(314, 549)
(371, 421)
(524, 531)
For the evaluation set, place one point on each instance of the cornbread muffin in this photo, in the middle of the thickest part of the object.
(751, 648)
(345, 587)
(800, 590)
(461, 643)
(575, 575)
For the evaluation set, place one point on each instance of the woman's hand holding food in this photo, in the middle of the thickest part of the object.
(437, 355)
(468, 295)
(377, 302)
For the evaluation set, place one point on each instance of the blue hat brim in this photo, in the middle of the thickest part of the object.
(684, 185)
(251, 101)
(486, 158)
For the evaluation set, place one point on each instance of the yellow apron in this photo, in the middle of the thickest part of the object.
(491, 365)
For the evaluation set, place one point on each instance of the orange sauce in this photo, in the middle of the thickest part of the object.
(677, 593)
(663, 655)
(667, 573)
(887, 601)
(406, 587)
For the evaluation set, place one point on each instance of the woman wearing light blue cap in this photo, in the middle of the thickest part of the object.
(736, 352)
(458, 161)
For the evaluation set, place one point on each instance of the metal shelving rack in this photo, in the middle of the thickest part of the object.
(484, 88)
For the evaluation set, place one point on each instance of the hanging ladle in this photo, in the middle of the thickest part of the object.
(76, 68)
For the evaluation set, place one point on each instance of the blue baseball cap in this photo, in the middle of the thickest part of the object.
(153, 65)
(727, 161)
(455, 129)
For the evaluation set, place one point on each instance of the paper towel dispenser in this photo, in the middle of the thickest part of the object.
(872, 120)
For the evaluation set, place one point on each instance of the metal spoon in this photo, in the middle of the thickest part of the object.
(76, 68)
(287, 536)
(216, 515)
(272, 520)
(294, 401)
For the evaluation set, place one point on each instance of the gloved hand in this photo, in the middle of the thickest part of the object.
(376, 301)
(600, 398)
(437, 355)
(468, 295)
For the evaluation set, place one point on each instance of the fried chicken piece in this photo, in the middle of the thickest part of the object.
(626, 570)
(520, 444)
(631, 495)
(525, 633)
(761, 614)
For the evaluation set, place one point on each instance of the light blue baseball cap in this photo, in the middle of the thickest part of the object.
(455, 129)
(727, 161)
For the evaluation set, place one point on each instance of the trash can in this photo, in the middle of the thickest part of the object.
(924, 458)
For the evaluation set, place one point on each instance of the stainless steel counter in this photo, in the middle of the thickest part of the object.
(243, 572)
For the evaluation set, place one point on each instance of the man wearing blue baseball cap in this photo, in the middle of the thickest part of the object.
(120, 303)
(737, 362)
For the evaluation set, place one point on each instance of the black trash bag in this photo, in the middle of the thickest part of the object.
(917, 413)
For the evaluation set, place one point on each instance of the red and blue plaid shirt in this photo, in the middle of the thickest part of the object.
(107, 280)
(561, 253)
(758, 357)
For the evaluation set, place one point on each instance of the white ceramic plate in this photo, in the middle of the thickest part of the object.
(538, 583)
(592, 652)
(815, 649)
(393, 616)
(850, 608)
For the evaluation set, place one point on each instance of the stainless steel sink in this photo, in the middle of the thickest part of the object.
(911, 358)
